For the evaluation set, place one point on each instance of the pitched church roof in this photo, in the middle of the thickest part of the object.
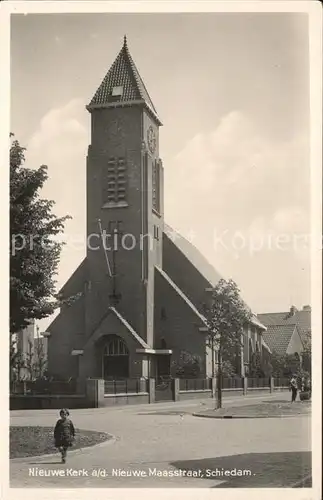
(123, 84)
(200, 263)
(196, 258)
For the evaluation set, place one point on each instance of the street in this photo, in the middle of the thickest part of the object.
(163, 445)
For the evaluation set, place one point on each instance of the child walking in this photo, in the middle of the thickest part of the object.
(64, 433)
(294, 387)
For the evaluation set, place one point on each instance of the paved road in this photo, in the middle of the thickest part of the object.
(153, 441)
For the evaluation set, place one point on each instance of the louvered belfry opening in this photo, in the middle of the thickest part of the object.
(114, 188)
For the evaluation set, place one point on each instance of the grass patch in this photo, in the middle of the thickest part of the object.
(32, 441)
(263, 410)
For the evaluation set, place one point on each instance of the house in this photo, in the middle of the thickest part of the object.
(32, 350)
(287, 332)
(140, 289)
(24, 345)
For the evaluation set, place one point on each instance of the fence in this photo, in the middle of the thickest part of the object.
(126, 386)
(195, 384)
(255, 382)
(281, 382)
(232, 383)
(46, 387)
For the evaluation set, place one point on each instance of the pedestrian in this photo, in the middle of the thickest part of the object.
(293, 386)
(64, 433)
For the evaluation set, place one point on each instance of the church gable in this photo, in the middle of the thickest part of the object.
(76, 281)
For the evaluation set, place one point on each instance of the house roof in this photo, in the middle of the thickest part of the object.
(123, 73)
(265, 345)
(278, 337)
(301, 319)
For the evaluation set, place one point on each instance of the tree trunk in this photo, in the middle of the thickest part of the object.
(213, 359)
(219, 383)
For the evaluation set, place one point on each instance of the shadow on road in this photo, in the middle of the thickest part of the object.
(268, 470)
(56, 462)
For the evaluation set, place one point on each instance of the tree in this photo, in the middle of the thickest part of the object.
(256, 365)
(228, 369)
(307, 353)
(188, 365)
(285, 365)
(16, 361)
(226, 314)
(29, 360)
(40, 357)
(34, 253)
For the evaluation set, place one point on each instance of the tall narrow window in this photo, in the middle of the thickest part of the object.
(115, 182)
(145, 249)
(156, 186)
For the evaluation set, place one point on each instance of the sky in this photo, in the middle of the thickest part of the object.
(232, 91)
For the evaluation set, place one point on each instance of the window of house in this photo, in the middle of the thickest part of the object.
(156, 233)
(115, 181)
(156, 186)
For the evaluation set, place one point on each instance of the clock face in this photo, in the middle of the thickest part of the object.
(151, 139)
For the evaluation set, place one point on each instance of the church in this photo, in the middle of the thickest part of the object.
(140, 289)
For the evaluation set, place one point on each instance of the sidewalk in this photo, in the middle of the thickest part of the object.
(164, 437)
(18, 417)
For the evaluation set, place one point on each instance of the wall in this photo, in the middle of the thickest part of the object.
(295, 344)
(188, 395)
(127, 399)
(68, 328)
(116, 132)
(67, 332)
(47, 402)
(179, 326)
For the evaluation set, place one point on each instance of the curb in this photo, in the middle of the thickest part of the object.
(245, 416)
(110, 440)
(300, 482)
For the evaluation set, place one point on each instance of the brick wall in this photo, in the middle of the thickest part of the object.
(178, 324)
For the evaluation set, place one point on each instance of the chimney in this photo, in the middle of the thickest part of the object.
(292, 311)
(307, 308)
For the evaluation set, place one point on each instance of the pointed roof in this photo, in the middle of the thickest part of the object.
(123, 73)
(278, 337)
(302, 319)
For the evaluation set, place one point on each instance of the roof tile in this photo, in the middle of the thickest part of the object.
(123, 73)
(302, 319)
(278, 337)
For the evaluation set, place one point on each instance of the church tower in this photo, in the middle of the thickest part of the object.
(124, 199)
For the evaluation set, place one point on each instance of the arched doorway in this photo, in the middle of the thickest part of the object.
(115, 359)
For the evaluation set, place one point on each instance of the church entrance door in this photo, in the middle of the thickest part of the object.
(115, 363)
(163, 365)
(164, 382)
